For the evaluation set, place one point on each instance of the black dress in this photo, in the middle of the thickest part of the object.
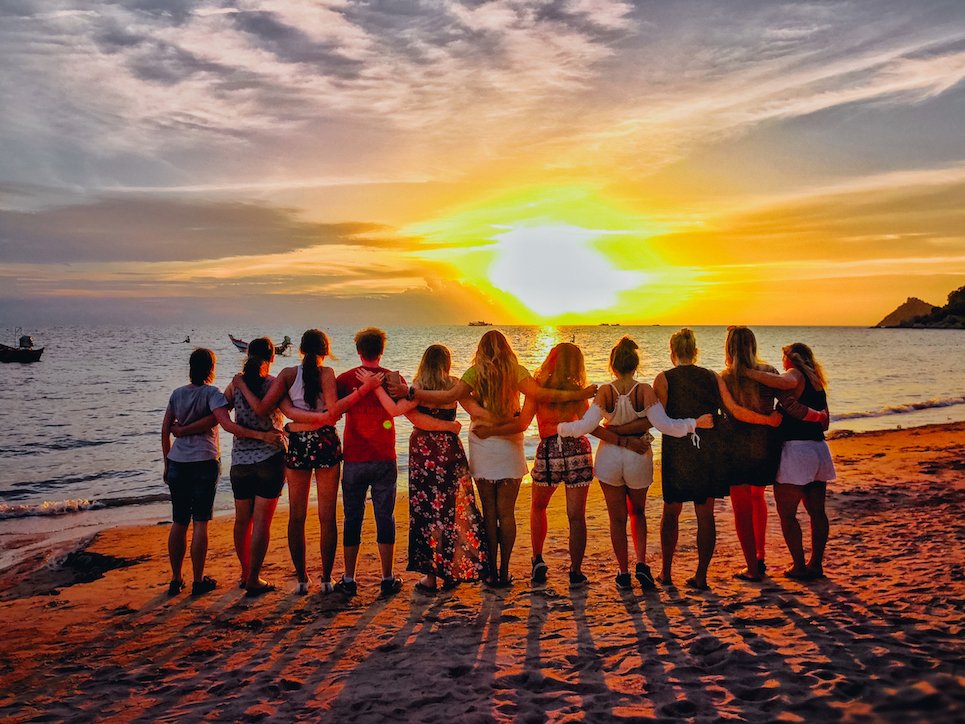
(752, 453)
(692, 472)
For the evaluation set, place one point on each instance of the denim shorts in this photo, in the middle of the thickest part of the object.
(192, 488)
(263, 479)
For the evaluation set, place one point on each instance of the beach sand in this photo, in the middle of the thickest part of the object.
(880, 639)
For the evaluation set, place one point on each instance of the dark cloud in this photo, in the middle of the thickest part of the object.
(291, 45)
(145, 229)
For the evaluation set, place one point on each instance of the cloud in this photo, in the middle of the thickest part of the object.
(152, 229)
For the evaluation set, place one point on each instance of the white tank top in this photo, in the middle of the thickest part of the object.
(623, 410)
(297, 394)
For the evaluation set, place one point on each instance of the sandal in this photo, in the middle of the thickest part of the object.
(175, 587)
(259, 590)
(205, 585)
(424, 589)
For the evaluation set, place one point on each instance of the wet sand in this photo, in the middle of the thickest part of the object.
(96, 636)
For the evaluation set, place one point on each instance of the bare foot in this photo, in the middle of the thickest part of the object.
(746, 575)
(815, 572)
(664, 579)
(797, 574)
(697, 585)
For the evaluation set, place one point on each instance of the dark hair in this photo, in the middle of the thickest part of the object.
(370, 342)
(314, 348)
(201, 366)
(624, 356)
(260, 351)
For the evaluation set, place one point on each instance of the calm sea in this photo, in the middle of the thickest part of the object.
(80, 443)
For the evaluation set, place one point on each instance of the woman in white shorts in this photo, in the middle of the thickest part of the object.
(625, 467)
(806, 465)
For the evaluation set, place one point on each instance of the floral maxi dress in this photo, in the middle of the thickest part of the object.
(446, 536)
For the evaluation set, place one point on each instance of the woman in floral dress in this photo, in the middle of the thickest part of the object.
(446, 535)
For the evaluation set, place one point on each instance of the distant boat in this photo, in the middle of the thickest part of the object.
(242, 346)
(23, 353)
(480, 324)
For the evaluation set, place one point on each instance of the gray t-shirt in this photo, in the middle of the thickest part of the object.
(189, 404)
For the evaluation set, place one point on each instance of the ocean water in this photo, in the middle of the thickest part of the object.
(80, 447)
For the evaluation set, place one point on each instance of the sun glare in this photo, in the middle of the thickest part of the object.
(552, 254)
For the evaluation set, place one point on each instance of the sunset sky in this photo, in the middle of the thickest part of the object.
(568, 161)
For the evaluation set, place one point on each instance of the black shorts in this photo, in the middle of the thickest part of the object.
(192, 488)
(314, 449)
(263, 479)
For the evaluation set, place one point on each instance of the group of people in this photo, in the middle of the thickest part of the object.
(728, 434)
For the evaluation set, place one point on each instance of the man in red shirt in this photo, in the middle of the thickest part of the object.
(368, 447)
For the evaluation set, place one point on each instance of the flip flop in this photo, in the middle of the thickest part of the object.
(259, 590)
(426, 590)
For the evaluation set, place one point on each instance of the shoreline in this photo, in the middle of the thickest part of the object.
(878, 640)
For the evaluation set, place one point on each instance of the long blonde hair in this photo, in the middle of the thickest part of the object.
(803, 359)
(433, 371)
(564, 369)
(740, 355)
(496, 366)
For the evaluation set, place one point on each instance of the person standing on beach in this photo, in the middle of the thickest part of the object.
(806, 466)
(624, 459)
(306, 393)
(192, 465)
(692, 469)
(497, 463)
(754, 451)
(370, 464)
(446, 537)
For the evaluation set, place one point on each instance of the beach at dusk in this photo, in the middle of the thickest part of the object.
(482, 360)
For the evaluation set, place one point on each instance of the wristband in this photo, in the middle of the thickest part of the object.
(410, 393)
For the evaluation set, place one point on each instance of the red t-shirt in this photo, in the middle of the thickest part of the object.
(369, 430)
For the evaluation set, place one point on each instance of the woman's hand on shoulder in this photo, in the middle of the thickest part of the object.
(482, 431)
(774, 419)
(589, 392)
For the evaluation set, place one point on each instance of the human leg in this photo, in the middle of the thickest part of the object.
(177, 547)
(244, 509)
(576, 516)
(542, 494)
(741, 500)
(636, 503)
(759, 506)
(384, 474)
(299, 483)
(616, 508)
(788, 497)
(326, 483)
(814, 502)
(354, 489)
(264, 511)
(706, 541)
(506, 493)
(199, 548)
(669, 532)
(487, 498)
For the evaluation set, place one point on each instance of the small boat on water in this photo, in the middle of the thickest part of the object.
(25, 352)
(242, 346)
(480, 324)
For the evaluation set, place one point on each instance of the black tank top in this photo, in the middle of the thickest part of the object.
(794, 429)
(691, 392)
(440, 413)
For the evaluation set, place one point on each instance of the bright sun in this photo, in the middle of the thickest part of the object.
(553, 269)
(558, 255)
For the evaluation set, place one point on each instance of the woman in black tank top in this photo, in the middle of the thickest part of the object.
(806, 464)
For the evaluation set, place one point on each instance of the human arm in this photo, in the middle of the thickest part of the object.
(531, 388)
(674, 427)
(422, 421)
(278, 389)
(793, 407)
(436, 397)
(166, 439)
(509, 427)
(477, 412)
(787, 381)
(742, 413)
(274, 437)
(200, 425)
(585, 425)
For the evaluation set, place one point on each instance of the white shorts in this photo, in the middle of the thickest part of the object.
(497, 458)
(619, 466)
(804, 461)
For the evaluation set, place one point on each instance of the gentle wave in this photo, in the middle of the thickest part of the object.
(65, 507)
(899, 409)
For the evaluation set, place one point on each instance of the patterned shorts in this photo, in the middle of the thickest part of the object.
(313, 449)
(566, 460)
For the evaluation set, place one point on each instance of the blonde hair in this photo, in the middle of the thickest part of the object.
(683, 344)
(740, 355)
(624, 356)
(433, 371)
(496, 365)
(803, 359)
